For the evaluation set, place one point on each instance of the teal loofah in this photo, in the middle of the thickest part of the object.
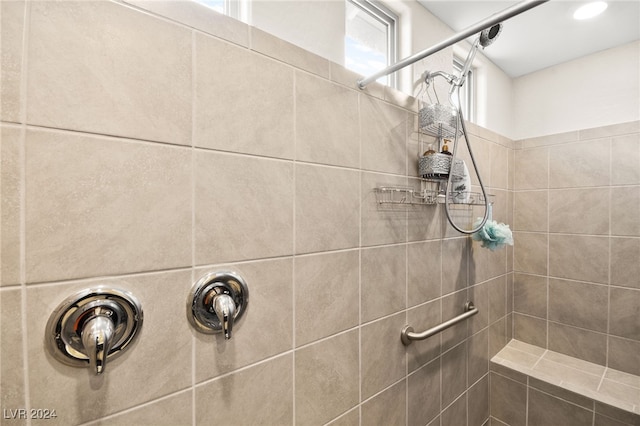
(493, 235)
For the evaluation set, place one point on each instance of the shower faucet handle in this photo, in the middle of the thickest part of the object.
(225, 309)
(97, 338)
(216, 302)
(92, 326)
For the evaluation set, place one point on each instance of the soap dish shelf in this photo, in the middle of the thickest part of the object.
(402, 195)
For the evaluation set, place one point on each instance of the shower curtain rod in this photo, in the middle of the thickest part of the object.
(496, 18)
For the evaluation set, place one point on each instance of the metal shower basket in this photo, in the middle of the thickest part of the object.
(437, 119)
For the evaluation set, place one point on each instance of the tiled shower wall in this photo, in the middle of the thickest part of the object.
(577, 256)
(141, 153)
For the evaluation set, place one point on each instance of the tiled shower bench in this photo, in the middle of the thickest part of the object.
(532, 386)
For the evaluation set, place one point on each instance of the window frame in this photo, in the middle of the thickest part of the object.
(386, 17)
(468, 89)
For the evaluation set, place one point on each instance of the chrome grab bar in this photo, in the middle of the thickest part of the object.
(407, 335)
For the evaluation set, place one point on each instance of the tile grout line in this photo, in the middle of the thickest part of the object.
(23, 203)
(294, 130)
(606, 353)
(193, 217)
(548, 248)
(360, 260)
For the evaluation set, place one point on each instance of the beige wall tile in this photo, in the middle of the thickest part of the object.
(531, 169)
(530, 253)
(11, 141)
(327, 122)
(235, 219)
(383, 136)
(554, 139)
(424, 272)
(281, 50)
(497, 298)
(382, 363)
(266, 329)
(579, 304)
(325, 287)
(424, 388)
(422, 318)
(456, 413)
(454, 373)
(589, 263)
(625, 160)
(530, 330)
(232, 112)
(530, 295)
(381, 224)
(581, 164)
(478, 402)
(327, 208)
(530, 211)
(561, 393)
(545, 409)
(455, 255)
(479, 294)
(485, 264)
(387, 408)
(348, 78)
(612, 413)
(612, 130)
(497, 336)
(262, 394)
(197, 15)
(478, 356)
(426, 222)
(12, 19)
(96, 82)
(578, 343)
(623, 355)
(625, 211)
(508, 400)
(384, 281)
(94, 397)
(499, 166)
(98, 206)
(12, 367)
(351, 418)
(625, 313)
(592, 205)
(174, 410)
(625, 268)
(327, 379)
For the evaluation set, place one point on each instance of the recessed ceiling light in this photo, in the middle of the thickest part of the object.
(590, 10)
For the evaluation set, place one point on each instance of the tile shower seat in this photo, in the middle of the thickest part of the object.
(596, 382)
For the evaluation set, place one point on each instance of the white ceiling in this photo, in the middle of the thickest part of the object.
(545, 35)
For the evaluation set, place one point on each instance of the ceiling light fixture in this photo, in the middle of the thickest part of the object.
(590, 10)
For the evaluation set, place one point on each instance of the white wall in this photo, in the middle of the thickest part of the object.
(596, 90)
(314, 25)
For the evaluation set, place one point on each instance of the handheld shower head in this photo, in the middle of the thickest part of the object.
(485, 38)
(489, 35)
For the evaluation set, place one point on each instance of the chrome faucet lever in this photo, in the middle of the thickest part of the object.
(97, 339)
(93, 326)
(216, 302)
(225, 309)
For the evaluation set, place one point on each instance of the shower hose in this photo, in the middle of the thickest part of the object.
(460, 122)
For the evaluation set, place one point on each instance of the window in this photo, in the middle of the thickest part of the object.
(466, 91)
(370, 39)
(234, 8)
